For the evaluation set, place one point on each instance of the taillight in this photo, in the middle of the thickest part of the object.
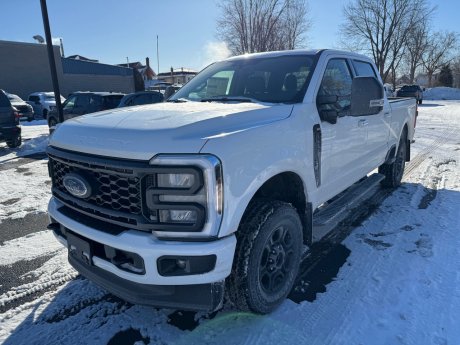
(16, 114)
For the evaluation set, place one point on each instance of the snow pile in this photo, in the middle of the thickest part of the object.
(25, 189)
(34, 145)
(442, 93)
(34, 140)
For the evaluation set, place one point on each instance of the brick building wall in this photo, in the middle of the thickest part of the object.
(24, 69)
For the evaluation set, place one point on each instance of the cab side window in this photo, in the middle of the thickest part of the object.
(69, 104)
(82, 101)
(336, 85)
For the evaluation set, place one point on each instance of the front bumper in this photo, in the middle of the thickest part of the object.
(9, 133)
(196, 291)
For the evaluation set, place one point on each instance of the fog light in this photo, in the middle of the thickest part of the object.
(169, 266)
(181, 263)
(178, 216)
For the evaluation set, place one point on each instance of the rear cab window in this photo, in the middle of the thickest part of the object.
(363, 69)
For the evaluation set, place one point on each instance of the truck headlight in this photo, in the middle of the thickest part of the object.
(176, 180)
(184, 196)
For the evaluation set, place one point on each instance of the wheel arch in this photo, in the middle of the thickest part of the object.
(289, 187)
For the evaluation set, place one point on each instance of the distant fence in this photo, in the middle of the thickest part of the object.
(72, 66)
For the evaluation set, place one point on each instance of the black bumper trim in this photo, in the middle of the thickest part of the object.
(9, 133)
(205, 297)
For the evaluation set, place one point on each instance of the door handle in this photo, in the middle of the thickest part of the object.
(362, 123)
(387, 114)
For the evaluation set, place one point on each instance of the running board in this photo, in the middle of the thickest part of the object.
(327, 218)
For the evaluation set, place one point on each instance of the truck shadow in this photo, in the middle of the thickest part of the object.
(82, 313)
(430, 105)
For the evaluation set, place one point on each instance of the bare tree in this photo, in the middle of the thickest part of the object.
(417, 40)
(249, 26)
(416, 46)
(381, 27)
(439, 51)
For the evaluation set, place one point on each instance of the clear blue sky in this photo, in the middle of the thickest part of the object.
(110, 30)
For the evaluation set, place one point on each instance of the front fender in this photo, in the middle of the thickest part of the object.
(252, 157)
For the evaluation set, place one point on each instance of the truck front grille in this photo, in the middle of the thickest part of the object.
(116, 185)
(114, 192)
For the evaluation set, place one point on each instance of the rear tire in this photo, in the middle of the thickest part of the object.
(420, 101)
(15, 142)
(394, 172)
(267, 257)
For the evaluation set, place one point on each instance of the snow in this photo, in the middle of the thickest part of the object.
(29, 247)
(399, 285)
(34, 140)
(442, 93)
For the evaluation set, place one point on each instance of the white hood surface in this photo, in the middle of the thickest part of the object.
(144, 131)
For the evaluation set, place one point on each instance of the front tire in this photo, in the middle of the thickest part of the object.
(394, 172)
(45, 113)
(420, 101)
(267, 257)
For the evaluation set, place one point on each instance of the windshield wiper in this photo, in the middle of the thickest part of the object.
(179, 100)
(228, 99)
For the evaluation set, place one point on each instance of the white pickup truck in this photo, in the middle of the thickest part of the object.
(221, 189)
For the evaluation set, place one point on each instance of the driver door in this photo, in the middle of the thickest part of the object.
(342, 145)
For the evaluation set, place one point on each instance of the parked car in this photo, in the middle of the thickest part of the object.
(414, 91)
(81, 103)
(43, 102)
(220, 189)
(10, 130)
(167, 89)
(140, 98)
(26, 111)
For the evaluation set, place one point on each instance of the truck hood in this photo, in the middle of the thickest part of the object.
(144, 131)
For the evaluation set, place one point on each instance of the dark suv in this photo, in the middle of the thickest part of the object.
(81, 103)
(414, 91)
(10, 131)
(141, 98)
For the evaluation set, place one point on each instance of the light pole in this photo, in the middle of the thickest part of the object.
(52, 62)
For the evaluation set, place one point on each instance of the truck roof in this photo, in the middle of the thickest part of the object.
(298, 52)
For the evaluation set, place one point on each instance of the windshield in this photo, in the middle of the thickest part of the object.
(14, 98)
(281, 79)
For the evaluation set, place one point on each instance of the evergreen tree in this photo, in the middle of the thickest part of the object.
(446, 77)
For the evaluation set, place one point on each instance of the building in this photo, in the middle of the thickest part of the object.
(24, 69)
(177, 76)
(80, 57)
(146, 72)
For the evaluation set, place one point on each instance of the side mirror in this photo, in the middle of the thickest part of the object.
(367, 96)
(327, 115)
(424, 89)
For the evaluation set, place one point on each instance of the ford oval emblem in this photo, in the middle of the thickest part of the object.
(77, 185)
